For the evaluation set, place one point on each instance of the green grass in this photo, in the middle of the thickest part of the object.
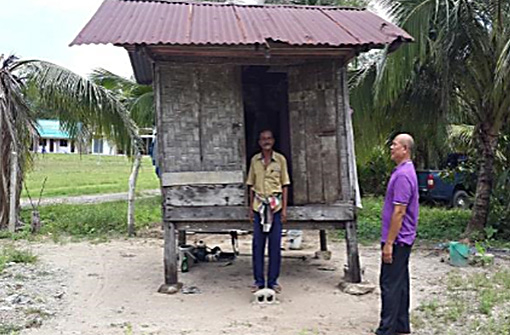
(10, 329)
(435, 223)
(96, 221)
(471, 304)
(73, 175)
(10, 254)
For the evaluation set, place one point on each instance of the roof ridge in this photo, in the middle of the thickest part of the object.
(230, 3)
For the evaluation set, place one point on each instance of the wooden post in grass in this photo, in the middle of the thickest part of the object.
(13, 192)
(131, 194)
(36, 217)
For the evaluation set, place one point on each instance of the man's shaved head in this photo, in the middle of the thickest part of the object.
(406, 140)
(401, 148)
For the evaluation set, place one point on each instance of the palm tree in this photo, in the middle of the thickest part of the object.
(138, 99)
(83, 108)
(139, 102)
(462, 49)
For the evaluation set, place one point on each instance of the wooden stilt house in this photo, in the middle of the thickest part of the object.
(221, 73)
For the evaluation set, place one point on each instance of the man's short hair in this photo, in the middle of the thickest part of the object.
(266, 130)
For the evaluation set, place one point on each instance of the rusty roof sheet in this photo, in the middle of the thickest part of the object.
(150, 22)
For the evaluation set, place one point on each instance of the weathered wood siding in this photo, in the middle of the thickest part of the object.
(317, 122)
(202, 136)
(206, 195)
(201, 118)
(200, 129)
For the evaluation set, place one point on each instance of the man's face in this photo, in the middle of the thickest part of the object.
(266, 140)
(398, 150)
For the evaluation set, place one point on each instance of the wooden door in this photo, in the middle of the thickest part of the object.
(315, 114)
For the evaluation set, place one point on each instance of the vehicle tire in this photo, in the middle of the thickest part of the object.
(461, 200)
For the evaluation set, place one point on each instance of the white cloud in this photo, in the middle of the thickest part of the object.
(67, 5)
(84, 58)
(48, 28)
(380, 10)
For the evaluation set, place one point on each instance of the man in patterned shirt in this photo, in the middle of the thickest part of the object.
(268, 179)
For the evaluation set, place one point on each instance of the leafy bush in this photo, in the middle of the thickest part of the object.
(499, 217)
(435, 224)
(374, 175)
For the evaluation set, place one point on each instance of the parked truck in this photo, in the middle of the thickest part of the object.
(454, 191)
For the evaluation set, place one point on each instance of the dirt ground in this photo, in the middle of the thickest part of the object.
(112, 289)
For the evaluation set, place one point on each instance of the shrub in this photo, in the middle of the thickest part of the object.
(374, 175)
(435, 224)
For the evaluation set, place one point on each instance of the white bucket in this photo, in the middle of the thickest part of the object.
(295, 237)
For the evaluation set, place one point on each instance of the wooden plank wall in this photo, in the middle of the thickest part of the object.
(200, 122)
(316, 113)
(200, 128)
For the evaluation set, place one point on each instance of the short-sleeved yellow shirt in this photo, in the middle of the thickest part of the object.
(268, 180)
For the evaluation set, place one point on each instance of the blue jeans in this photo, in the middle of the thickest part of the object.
(258, 247)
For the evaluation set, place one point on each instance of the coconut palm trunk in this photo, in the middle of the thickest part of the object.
(488, 141)
(83, 108)
(13, 190)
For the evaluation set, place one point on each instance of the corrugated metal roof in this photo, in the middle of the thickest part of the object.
(51, 129)
(185, 23)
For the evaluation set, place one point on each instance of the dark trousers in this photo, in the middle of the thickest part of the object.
(394, 283)
(274, 236)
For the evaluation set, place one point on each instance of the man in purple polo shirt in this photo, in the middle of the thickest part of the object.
(399, 222)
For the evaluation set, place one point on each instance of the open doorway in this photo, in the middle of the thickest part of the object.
(265, 97)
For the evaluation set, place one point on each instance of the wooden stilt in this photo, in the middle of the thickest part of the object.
(353, 273)
(323, 240)
(182, 237)
(171, 284)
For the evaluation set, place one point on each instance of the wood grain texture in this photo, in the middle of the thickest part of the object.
(205, 195)
(311, 213)
(202, 178)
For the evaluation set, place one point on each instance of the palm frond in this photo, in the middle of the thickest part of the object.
(395, 71)
(142, 110)
(138, 99)
(81, 102)
(110, 80)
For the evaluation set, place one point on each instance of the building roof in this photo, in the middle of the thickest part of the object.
(180, 29)
(51, 129)
(157, 22)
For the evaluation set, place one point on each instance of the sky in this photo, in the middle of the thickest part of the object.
(43, 29)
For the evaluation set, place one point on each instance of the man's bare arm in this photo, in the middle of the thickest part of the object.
(395, 225)
(285, 191)
(250, 206)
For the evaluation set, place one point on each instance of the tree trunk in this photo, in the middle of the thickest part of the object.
(13, 210)
(131, 194)
(5, 168)
(35, 222)
(485, 180)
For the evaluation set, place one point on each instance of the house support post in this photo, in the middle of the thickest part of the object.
(182, 237)
(323, 240)
(171, 284)
(353, 273)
